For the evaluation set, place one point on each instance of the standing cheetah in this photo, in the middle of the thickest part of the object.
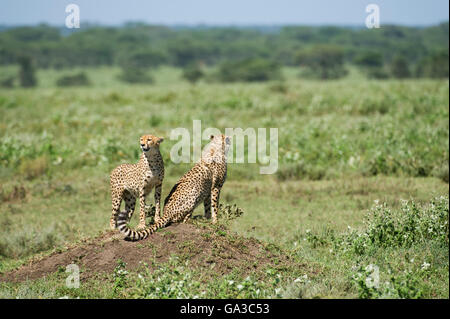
(202, 183)
(131, 181)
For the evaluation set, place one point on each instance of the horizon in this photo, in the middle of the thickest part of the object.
(199, 13)
(89, 24)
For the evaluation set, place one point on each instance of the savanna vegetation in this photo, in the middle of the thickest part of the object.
(361, 191)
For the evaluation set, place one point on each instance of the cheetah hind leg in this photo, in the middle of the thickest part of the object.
(130, 204)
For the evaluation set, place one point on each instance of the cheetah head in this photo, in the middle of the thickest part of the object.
(150, 141)
(222, 142)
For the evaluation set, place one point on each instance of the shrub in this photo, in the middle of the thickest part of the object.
(377, 73)
(135, 75)
(400, 68)
(27, 72)
(249, 70)
(7, 82)
(193, 73)
(401, 228)
(79, 79)
(369, 59)
(433, 66)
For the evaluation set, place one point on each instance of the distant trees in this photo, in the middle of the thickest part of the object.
(193, 73)
(136, 64)
(400, 68)
(249, 70)
(27, 75)
(323, 61)
(135, 75)
(79, 79)
(186, 51)
(322, 51)
(434, 65)
(369, 59)
(372, 64)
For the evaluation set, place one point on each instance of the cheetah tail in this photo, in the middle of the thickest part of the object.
(133, 235)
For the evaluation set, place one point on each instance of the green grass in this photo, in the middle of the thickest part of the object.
(342, 145)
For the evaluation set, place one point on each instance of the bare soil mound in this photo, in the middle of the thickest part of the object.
(201, 245)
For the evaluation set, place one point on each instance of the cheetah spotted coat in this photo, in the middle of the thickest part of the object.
(201, 184)
(132, 181)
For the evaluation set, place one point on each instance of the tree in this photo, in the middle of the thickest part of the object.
(369, 59)
(135, 75)
(27, 72)
(372, 64)
(433, 66)
(142, 58)
(135, 65)
(323, 61)
(193, 73)
(249, 70)
(399, 67)
(79, 79)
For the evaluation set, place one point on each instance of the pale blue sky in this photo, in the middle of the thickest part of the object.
(225, 12)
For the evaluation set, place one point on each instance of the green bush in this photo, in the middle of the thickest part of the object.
(369, 59)
(135, 75)
(377, 73)
(79, 79)
(7, 82)
(433, 66)
(27, 72)
(193, 73)
(409, 225)
(249, 70)
(400, 68)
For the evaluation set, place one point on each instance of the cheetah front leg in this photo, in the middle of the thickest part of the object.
(207, 204)
(158, 189)
(215, 193)
(116, 200)
(141, 224)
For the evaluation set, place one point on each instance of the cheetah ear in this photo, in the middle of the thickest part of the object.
(161, 139)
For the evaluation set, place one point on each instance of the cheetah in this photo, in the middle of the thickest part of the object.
(202, 183)
(132, 181)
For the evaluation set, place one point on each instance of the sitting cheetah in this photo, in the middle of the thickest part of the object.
(202, 183)
(130, 181)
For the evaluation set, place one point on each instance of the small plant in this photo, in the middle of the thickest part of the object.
(405, 285)
(120, 276)
(229, 212)
(400, 228)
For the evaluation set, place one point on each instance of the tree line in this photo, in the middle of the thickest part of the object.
(248, 54)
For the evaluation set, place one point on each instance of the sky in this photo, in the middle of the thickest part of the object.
(225, 12)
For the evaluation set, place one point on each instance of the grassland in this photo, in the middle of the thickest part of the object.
(342, 145)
